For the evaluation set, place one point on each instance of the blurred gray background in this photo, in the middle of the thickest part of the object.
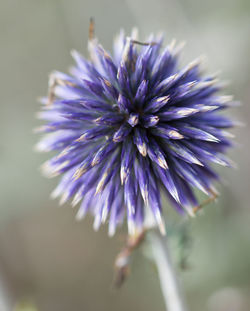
(49, 262)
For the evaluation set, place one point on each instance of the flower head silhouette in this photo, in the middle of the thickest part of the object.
(130, 127)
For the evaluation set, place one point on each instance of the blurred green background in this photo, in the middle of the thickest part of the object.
(50, 262)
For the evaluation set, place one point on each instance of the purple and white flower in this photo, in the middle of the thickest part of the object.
(130, 127)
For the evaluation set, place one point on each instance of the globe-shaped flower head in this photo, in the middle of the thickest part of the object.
(130, 127)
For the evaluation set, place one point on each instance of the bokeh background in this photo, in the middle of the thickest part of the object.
(50, 262)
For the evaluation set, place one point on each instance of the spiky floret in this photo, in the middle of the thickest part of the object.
(127, 125)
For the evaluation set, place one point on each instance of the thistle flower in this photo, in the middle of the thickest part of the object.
(130, 127)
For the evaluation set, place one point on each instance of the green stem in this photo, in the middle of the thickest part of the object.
(169, 284)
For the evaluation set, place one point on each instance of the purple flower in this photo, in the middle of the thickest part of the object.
(131, 127)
